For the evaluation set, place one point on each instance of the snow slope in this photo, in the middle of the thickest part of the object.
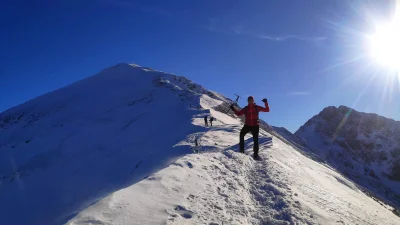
(67, 149)
(221, 186)
(129, 146)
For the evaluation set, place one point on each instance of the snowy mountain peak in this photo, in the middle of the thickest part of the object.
(95, 136)
(134, 65)
(364, 146)
(332, 111)
(125, 68)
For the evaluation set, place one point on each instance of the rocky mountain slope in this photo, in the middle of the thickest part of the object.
(363, 146)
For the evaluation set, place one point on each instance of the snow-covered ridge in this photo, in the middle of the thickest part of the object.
(129, 146)
(77, 143)
(218, 185)
(364, 146)
(18, 114)
(96, 136)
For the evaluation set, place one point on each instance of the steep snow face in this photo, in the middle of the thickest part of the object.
(220, 186)
(365, 147)
(65, 150)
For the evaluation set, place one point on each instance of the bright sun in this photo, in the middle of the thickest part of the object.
(384, 44)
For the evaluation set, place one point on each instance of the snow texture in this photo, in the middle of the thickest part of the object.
(129, 146)
(226, 187)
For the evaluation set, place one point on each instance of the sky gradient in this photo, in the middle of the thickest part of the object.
(302, 55)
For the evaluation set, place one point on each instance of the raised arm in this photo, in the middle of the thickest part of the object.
(262, 109)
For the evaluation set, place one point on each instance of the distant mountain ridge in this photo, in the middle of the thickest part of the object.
(364, 146)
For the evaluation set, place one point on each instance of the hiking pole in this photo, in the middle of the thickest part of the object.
(236, 101)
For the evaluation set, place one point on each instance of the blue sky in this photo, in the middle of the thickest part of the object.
(291, 52)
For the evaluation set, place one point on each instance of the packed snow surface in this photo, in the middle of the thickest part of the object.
(218, 185)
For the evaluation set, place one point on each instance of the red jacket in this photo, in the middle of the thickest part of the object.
(251, 113)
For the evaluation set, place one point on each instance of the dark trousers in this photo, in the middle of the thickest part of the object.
(254, 131)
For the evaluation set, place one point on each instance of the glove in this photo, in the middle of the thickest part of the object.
(265, 100)
(231, 107)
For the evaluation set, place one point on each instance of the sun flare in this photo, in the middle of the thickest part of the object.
(384, 44)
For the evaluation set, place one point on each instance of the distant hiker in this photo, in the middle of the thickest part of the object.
(211, 120)
(251, 122)
(205, 121)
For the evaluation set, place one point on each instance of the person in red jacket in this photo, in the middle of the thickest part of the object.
(251, 122)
